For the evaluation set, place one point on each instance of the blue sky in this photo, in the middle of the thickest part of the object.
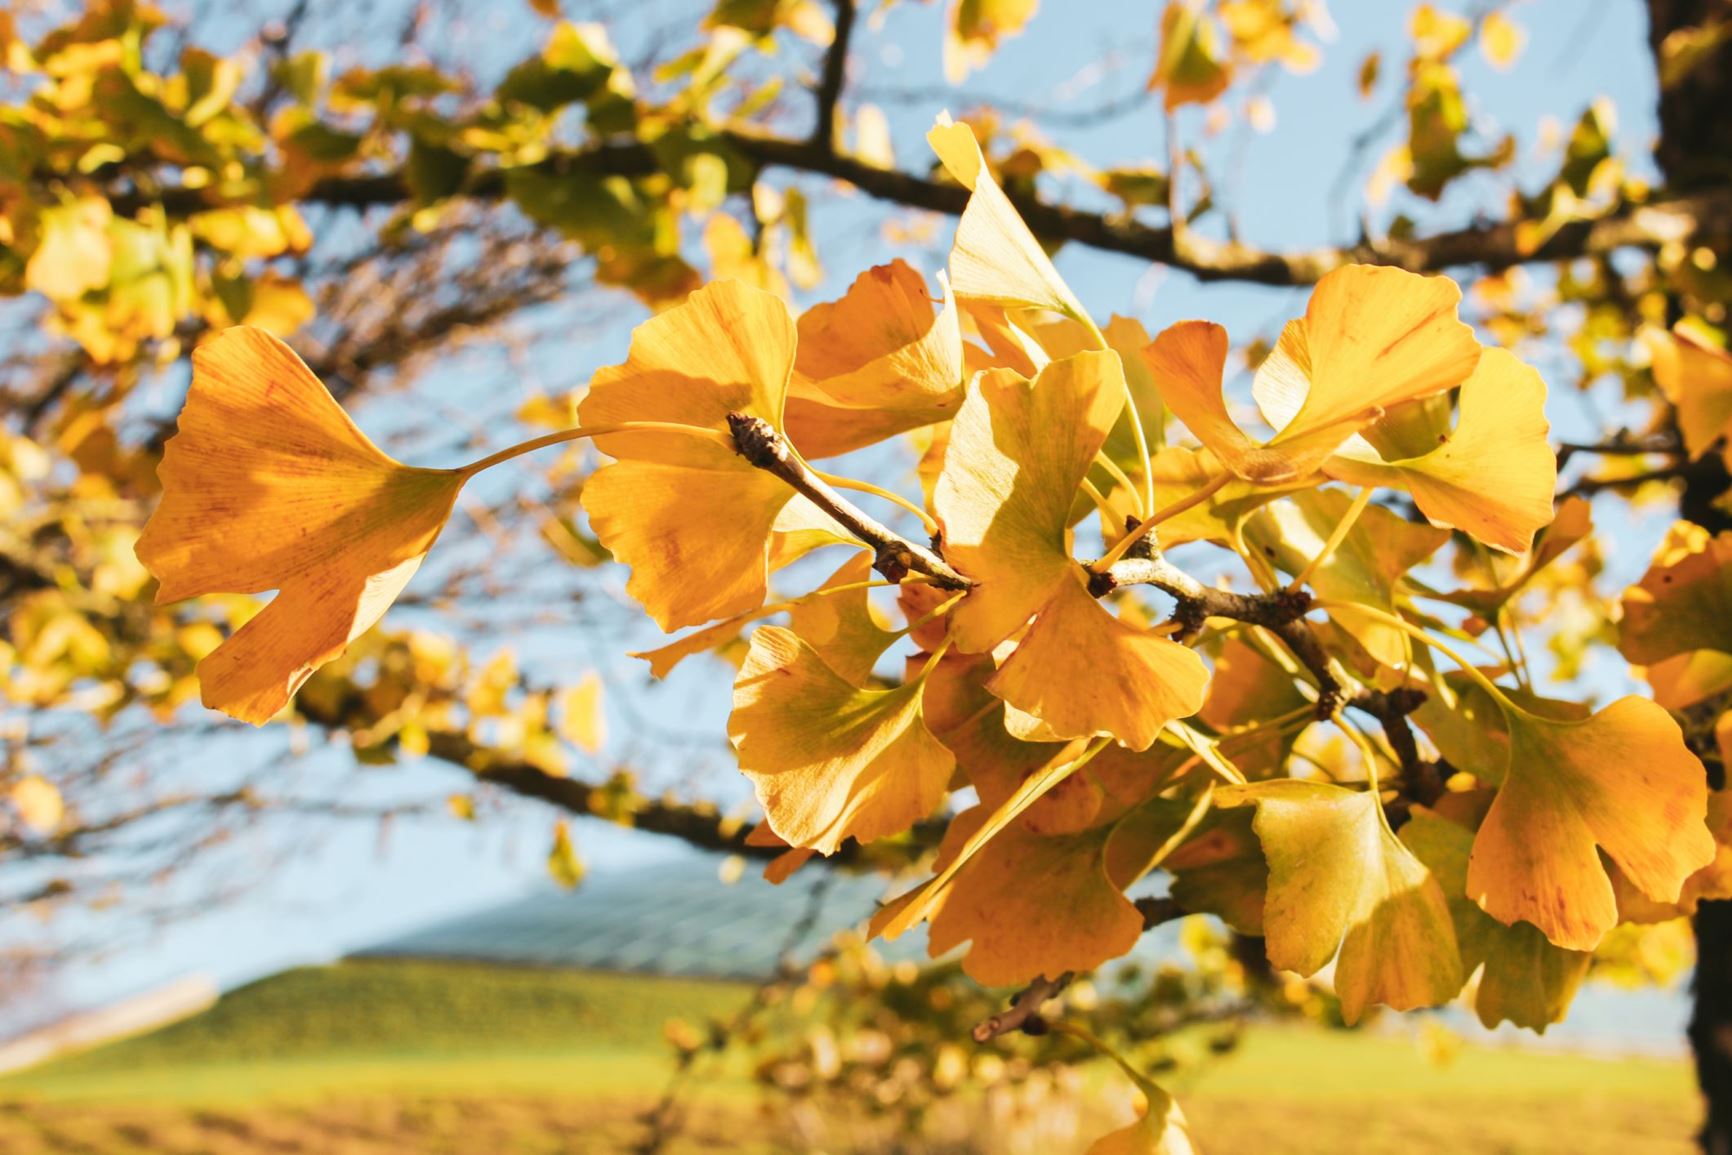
(352, 885)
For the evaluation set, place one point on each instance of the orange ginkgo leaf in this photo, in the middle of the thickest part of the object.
(1696, 377)
(1683, 603)
(878, 362)
(1018, 449)
(1371, 338)
(1033, 904)
(1160, 1129)
(1620, 781)
(830, 760)
(994, 257)
(692, 519)
(269, 486)
(1492, 476)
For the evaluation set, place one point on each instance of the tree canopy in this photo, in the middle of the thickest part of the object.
(1020, 595)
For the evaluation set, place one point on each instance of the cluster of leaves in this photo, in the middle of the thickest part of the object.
(145, 201)
(1098, 744)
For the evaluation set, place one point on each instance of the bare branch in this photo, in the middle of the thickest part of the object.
(760, 444)
(1491, 246)
(1024, 1012)
(835, 75)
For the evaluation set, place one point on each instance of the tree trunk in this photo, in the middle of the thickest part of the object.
(1695, 151)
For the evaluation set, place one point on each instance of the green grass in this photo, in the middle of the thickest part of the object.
(381, 1025)
(366, 1058)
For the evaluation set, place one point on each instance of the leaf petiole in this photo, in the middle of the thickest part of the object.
(580, 432)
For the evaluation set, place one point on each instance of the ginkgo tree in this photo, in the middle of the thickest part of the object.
(1031, 667)
(1117, 634)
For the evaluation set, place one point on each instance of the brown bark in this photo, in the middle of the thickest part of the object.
(1695, 153)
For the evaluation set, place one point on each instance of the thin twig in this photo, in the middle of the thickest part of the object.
(894, 555)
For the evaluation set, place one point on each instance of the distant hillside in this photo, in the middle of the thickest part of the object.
(379, 1007)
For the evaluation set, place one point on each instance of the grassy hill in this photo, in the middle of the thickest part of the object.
(388, 1056)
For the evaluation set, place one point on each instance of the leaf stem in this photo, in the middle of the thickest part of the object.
(1336, 537)
(1413, 631)
(894, 498)
(1137, 433)
(1194, 498)
(575, 434)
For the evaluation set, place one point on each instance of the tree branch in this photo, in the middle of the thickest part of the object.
(835, 74)
(1490, 246)
(894, 555)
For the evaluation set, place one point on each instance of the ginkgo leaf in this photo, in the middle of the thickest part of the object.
(1491, 477)
(974, 28)
(1364, 569)
(1018, 448)
(843, 628)
(1180, 471)
(1339, 881)
(691, 518)
(901, 914)
(1527, 981)
(1083, 672)
(1161, 1128)
(1620, 781)
(994, 257)
(1248, 687)
(829, 760)
(970, 720)
(1573, 522)
(581, 720)
(38, 803)
(269, 485)
(1189, 364)
(1220, 871)
(1683, 603)
(1189, 67)
(1033, 904)
(782, 867)
(1372, 338)
(1696, 377)
(878, 362)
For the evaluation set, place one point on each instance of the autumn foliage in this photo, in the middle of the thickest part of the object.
(1100, 742)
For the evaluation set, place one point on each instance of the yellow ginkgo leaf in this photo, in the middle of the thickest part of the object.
(1494, 475)
(581, 721)
(1372, 338)
(1340, 881)
(878, 362)
(38, 803)
(843, 628)
(692, 519)
(1620, 781)
(1527, 981)
(269, 485)
(1161, 1128)
(1190, 67)
(1683, 603)
(1083, 672)
(974, 28)
(830, 760)
(1696, 377)
(1018, 450)
(994, 257)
